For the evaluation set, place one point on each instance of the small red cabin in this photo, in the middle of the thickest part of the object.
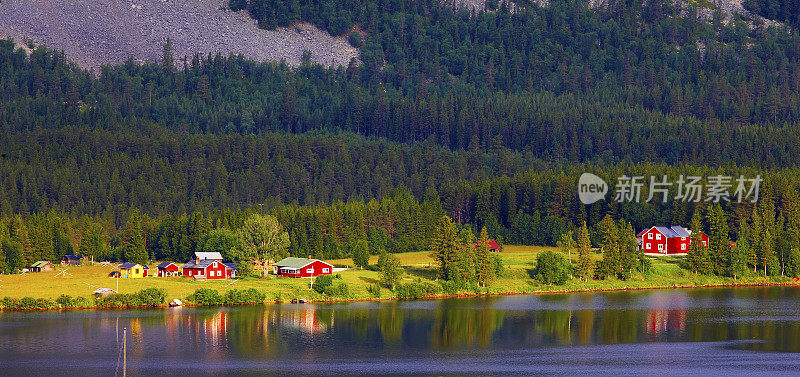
(167, 269)
(667, 241)
(302, 268)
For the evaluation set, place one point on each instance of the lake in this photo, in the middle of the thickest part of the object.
(720, 331)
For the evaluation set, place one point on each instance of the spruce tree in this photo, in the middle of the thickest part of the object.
(585, 266)
(695, 258)
(719, 241)
(756, 241)
(740, 252)
(361, 254)
(445, 248)
(485, 269)
(566, 244)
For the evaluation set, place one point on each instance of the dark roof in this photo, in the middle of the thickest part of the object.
(165, 264)
(72, 256)
(293, 262)
(232, 266)
(202, 264)
(131, 265)
(669, 232)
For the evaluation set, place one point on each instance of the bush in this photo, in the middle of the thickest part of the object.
(206, 297)
(339, 290)
(552, 268)
(415, 290)
(374, 290)
(244, 296)
(146, 297)
(322, 282)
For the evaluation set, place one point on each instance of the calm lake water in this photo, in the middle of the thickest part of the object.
(743, 331)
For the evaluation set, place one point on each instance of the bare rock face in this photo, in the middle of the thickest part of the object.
(110, 31)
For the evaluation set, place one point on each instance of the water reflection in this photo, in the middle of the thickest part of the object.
(752, 319)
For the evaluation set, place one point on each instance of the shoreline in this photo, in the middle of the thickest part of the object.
(432, 297)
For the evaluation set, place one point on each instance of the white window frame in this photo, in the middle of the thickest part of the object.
(310, 270)
(683, 246)
(661, 247)
(683, 238)
(647, 246)
(658, 236)
(649, 236)
(326, 270)
(704, 243)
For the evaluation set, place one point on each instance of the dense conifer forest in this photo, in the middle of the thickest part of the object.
(486, 117)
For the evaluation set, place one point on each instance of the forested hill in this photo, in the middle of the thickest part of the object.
(493, 115)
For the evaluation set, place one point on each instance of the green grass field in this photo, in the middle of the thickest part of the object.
(519, 262)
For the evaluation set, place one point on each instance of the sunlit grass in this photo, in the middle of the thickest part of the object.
(519, 262)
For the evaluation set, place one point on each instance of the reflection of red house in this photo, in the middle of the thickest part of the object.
(661, 321)
(302, 268)
(664, 240)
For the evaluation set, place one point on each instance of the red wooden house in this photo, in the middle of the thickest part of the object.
(208, 265)
(667, 240)
(302, 268)
(167, 269)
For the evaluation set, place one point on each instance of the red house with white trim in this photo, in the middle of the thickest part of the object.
(208, 266)
(167, 269)
(302, 268)
(667, 240)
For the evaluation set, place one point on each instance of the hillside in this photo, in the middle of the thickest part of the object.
(96, 32)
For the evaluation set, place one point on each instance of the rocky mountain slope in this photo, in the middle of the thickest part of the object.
(93, 32)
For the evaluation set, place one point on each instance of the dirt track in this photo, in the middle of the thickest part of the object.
(110, 31)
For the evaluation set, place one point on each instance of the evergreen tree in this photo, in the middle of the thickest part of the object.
(445, 249)
(719, 242)
(14, 259)
(485, 270)
(767, 250)
(609, 237)
(585, 266)
(697, 257)
(133, 240)
(361, 254)
(740, 252)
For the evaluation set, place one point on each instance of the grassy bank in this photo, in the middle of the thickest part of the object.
(519, 262)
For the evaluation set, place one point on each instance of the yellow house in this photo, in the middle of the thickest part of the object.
(133, 270)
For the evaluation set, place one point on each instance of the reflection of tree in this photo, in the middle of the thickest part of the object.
(456, 325)
(390, 321)
(556, 323)
(619, 326)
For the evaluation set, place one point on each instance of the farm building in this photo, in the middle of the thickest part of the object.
(203, 255)
(41, 265)
(168, 269)
(133, 270)
(667, 240)
(72, 259)
(302, 267)
(231, 269)
(206, 269)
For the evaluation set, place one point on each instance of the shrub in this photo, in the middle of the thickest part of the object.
(552, 268)
(244, 296)
(415, 290)
(146, 297)
(339, 290)
(374, 290)
(322, 282)
(205, 296)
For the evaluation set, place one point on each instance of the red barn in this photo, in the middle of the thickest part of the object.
(205, 269)
(667, 241)
(167, 269)
(302, 268)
